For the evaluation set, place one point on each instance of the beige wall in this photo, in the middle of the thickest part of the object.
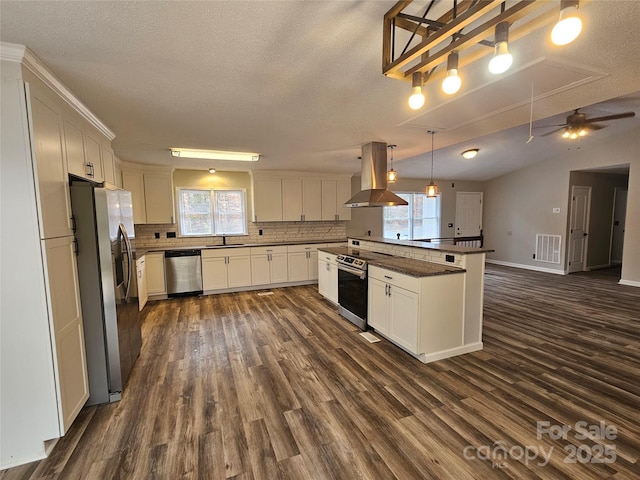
(520, 204)
(370, 218)
(218, 180)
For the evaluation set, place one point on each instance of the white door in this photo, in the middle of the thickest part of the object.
(468, 214)
(578, 228)
(619, 215)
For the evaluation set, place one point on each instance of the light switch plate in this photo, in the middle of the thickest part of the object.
(556, 210)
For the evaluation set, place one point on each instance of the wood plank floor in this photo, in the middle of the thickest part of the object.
(279, 386)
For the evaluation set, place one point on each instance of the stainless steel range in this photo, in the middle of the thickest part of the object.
(352, 289)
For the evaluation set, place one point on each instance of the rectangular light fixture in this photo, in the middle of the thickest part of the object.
(215, 155)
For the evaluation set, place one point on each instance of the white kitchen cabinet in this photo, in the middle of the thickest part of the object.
(158, 197)
(334, 194)
(423, 315)
(68, 333)
(108, 164)
(74, 149)
(226, 268)
(269, 265)
(328, 276)
(267, 199)
(156, 282)
(132, 181)
(143, 290)
(93, 150)
(301, 199)
(303, 262)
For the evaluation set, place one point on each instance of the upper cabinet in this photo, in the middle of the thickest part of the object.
(151, 192)
(94, 157)
(108, 164)
(299, 197)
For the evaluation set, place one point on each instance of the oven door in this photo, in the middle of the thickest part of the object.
(352, 294)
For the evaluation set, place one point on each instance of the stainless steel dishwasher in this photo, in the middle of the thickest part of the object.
(183, 271)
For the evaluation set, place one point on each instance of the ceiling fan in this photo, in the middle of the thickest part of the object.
(578, 125)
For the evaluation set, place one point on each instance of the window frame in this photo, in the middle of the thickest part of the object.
(411, 218)
(213, 212)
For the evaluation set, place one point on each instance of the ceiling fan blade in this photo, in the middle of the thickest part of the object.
(549, 126)
(611, 117)
(552, 132)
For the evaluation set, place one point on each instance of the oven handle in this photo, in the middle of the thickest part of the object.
(356, 271)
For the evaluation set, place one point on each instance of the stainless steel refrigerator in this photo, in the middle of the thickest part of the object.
(108, 290)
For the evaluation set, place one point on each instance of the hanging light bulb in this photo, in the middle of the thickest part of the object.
(392, 175)
(452, 82)
(432, 188)
(569, 24)
(416, 100)
(502, 59)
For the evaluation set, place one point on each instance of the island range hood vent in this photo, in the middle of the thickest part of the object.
(373, 182)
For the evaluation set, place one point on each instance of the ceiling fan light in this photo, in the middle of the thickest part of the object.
(573, 135)
(583, 132)
(566, 134)
(569, 24)
(471, 153)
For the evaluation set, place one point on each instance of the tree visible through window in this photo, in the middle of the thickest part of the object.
(419, 219)
(212, 212)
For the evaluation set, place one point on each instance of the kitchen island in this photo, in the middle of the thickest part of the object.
(441, 285)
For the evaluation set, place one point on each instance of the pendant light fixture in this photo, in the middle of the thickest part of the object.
(452, 82)
(502, 59)
(392, 175)
(432, 188)
(416, 100)
(569, 24)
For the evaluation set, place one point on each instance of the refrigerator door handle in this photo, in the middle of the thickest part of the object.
(127, 243)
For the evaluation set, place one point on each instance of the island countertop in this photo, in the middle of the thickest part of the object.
(462, 250)
(395, 263)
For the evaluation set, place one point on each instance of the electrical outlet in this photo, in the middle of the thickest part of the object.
(534, 256)
(171, 234)
(556, 210)
(156, 235)
(260, 232)
(355, 242)
(449, 258)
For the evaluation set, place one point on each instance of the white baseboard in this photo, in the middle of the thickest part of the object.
(527, 267)
(599, 267)
(452, 352)
(630, 283)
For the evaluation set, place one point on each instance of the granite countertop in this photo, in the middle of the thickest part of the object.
(427, 245)
(407, 266)
(142, 251)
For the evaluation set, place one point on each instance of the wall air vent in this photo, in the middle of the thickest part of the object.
(548, 248)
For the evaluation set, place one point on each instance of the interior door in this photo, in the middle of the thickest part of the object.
(468, 214)
(617, 234)
(578, 228)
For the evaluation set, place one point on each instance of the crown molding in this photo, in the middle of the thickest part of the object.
(12, 52)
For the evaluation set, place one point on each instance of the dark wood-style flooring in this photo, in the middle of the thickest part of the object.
(251, 386)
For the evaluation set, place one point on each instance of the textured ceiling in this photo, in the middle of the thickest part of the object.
(300, 82)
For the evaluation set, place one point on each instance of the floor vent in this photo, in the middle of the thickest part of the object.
(548, 248)
(370, 337)
(263, 294)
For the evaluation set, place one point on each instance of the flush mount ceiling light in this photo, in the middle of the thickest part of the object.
(432, 188)
(427, 44)
(471, 153)
(416, 100)
(392, 175)
(569, 25)
(212, 170)
(502, 59)
(215, 155)
(452, 82)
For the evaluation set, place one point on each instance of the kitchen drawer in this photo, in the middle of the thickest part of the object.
(394, 278)
(327, 257)
(268, 250)
(307, 247)
(225, 252)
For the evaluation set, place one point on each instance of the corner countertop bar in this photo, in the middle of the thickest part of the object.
(462, 250)
(406, 266)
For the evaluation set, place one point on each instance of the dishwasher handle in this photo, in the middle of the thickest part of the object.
(181, 253)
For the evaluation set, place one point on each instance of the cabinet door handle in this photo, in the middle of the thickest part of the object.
(389, 289)
(387, 276)
(91, 173)
(73, 223)
(75, 246)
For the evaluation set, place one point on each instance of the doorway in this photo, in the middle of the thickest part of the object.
(617, 229)
(468, 214)
(578, 228)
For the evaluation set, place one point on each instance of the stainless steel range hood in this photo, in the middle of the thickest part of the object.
(373, 182)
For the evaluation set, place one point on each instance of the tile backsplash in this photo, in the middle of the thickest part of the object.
(272, 232)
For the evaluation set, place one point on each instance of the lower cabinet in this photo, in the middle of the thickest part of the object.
(156, 282)
(269, 265)
(68, 331)
(143, 292)
(328, 276)
(226, 268)
(303, 262)
(423, 315)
